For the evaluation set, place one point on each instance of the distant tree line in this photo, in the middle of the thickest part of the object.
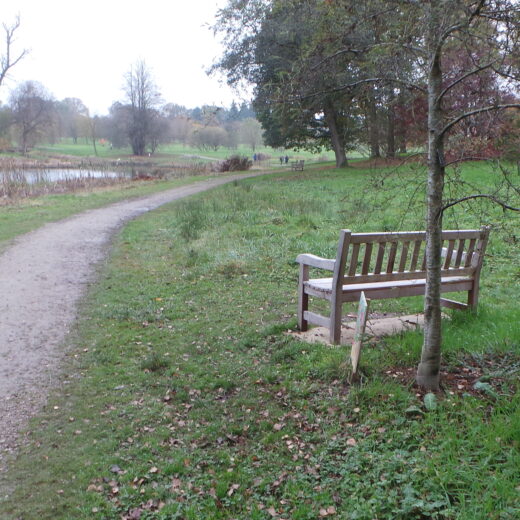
(141, 121)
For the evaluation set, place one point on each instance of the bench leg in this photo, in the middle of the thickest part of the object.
(473, 298)
(303, 305)
(335, 322)
(303, 298)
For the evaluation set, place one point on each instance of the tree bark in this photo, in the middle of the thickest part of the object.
(428, 371)
(337, 141)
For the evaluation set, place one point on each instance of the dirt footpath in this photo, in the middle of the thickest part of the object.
(43, 275)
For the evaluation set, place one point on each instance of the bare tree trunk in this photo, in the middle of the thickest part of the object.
(390, 130)
(401, 126)
(428, 371)
(338, 144)
(93, 124)
(373, 129)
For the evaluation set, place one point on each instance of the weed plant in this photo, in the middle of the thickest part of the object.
(193, 403)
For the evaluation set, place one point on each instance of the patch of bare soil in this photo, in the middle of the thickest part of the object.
(43, 276)
(377, 326)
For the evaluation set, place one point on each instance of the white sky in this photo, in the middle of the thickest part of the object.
(83, 49)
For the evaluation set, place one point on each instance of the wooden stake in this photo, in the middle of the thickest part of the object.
(360, 332)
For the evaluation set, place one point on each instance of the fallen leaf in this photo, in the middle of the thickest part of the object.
(232, 489)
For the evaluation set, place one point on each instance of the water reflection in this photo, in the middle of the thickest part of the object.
(57, 175)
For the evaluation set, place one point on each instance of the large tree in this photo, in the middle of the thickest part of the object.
(265, 42)
(33, 113)
(143, 99)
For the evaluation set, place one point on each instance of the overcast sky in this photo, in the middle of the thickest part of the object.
(83, 49)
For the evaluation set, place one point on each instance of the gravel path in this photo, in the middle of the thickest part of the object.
(43, 276)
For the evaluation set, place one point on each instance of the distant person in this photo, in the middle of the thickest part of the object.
(286, 159)
(281, 160)
(254, 157)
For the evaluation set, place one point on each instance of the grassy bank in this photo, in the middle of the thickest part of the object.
(183, 397)
(30, 213)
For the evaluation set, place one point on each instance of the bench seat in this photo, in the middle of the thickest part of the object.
(322, 287)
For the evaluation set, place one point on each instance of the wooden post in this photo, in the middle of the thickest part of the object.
(360, 331)
(336, 301)
(303, 299)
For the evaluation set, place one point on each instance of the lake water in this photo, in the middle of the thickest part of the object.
(56, 175)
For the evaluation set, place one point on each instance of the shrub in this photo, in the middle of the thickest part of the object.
(235, 163)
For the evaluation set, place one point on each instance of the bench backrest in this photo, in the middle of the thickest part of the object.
(379, 257)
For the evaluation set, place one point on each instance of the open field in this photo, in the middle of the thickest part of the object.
(183, 397)
(176, 150)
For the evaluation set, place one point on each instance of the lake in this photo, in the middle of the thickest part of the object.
(56, 175)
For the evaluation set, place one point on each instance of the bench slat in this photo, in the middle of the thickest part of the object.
(353, 292)
(460, 253)
(366, 260)
(391, 258)
(469, 254)
(405, 275)
(353, 260)
(415, 255)
(449, 253)
(379, 259)
(404, 256)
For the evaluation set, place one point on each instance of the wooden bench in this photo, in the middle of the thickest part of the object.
(297, 165)
(388, 265)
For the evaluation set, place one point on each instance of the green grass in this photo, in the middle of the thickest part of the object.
(176, 151)
(185, 399)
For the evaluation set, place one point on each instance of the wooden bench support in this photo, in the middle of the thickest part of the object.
(452, 304)
(388, 265)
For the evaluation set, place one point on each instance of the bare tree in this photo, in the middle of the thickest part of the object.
(32, 111)
(7, 59)
(143, 97)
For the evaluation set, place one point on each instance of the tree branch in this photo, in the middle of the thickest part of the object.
(6, 62)
(475, 112)
(479, 196)
(361, 82)
(462, 78)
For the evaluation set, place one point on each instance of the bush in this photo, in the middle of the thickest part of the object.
(235, 163)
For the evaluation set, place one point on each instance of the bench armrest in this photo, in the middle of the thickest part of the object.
(316, 261)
